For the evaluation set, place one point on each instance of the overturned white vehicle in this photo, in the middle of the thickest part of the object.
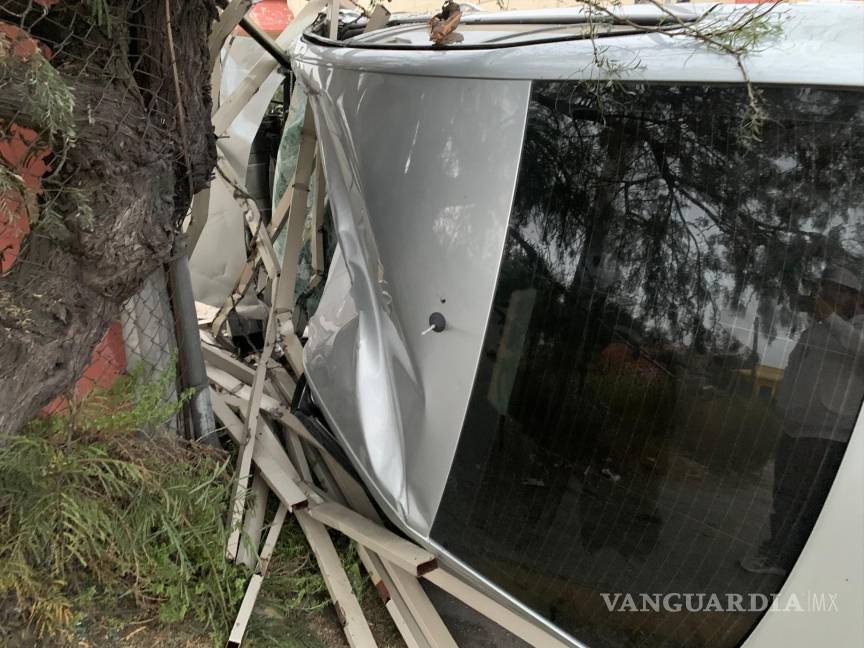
(596, 323)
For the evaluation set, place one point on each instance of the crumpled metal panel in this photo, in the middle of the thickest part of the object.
(221, 250)
(420, 175)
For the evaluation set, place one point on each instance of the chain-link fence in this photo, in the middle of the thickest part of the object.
(104, 138)
(149, 337)
(139, 351)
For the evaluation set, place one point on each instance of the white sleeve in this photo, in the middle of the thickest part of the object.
(850, 335)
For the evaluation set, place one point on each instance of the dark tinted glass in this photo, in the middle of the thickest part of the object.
(672, 366)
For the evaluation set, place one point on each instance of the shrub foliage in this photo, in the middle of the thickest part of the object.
(89, 505)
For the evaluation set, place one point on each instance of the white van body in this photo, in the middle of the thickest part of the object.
(423, 149)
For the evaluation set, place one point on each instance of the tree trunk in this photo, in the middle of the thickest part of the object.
(133, 161)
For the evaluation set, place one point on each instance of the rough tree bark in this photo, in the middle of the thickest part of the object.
(134, 162)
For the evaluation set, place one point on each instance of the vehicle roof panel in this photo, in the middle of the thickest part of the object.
(820, 44)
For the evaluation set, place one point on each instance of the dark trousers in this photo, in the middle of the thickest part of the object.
(804, 469)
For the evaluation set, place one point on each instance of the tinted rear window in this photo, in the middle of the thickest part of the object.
(672, 365)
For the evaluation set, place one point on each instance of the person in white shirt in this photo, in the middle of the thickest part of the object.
(818, 400)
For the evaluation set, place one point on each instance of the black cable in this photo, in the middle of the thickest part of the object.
(326, 42)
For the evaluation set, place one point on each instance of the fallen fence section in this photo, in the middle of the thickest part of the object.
(337, 501)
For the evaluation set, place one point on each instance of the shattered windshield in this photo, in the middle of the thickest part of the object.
(674, 360)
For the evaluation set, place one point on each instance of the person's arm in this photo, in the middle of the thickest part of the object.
(850, 335)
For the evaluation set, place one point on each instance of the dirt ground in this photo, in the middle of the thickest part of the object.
(269, 628)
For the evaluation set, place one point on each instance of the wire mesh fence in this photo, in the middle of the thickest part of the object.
(104, 138)
(139, 350)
